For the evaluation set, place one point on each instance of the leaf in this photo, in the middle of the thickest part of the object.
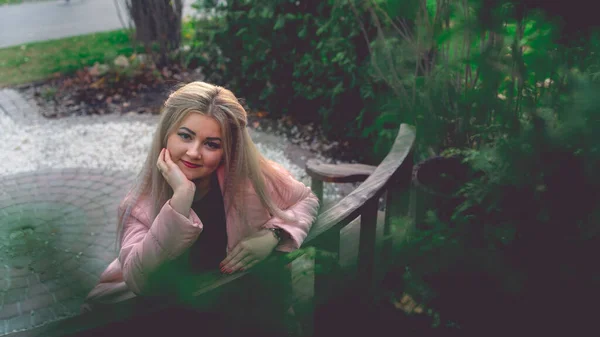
(241, 31)
(279, 23)
(302, 32)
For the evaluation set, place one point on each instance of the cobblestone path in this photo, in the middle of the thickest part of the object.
(57, 231)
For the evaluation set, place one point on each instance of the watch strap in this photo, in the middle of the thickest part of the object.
(276, 232)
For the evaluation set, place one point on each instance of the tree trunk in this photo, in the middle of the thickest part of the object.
(157, 22)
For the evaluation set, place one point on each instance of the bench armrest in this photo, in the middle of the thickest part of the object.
(335, 173)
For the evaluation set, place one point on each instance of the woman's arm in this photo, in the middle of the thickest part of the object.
(301, 205)
(147, 247)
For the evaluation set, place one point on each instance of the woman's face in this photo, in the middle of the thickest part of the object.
(196, 146)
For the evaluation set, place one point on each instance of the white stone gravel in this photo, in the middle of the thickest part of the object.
(73, 142)
(93, 142)
(112, 142)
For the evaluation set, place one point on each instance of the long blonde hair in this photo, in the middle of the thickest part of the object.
(243, 162)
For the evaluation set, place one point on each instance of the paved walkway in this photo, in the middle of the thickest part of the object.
(54, 19)
(57, 231)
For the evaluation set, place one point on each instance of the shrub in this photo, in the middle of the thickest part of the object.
(523, 242)
(304, 59)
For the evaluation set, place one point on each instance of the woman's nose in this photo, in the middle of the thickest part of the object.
(194, 151)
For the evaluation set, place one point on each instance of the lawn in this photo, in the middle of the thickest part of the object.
(40, 60)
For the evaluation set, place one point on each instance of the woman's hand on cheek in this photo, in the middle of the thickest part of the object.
(249, 252)
(172, 173)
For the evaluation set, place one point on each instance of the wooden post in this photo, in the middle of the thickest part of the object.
(366, 248)
(326, 275)
(316, 186)
(398, 204)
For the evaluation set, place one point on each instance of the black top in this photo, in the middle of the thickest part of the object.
(210, 247)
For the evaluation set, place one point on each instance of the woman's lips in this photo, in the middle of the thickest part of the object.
(190, 165)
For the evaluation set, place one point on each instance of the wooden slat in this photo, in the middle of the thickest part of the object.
(366, 247)
(327, 258)
(397, 204)
(374, 185)
(326, 273)
(338, 173)
(316, 186)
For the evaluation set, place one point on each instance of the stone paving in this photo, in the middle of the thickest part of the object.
(57, 232)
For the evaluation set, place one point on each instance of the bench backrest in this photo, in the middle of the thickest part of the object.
(391, 177)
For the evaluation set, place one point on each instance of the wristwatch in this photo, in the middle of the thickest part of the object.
(277, 232)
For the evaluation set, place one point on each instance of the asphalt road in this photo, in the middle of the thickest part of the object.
(55, 19)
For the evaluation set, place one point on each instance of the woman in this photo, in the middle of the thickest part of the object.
(205, 201)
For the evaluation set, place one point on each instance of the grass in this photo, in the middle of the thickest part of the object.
(40, 60)
(16, 2)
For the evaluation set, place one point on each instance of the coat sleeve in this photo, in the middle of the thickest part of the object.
(301, 205)
(147, 247)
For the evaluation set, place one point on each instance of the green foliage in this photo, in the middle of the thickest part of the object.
(465, 73)
(521, 110)
(199, 38)
(302, 59)
(527, 226)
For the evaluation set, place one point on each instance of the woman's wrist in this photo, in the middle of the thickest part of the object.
(186, 189)
(276, 232)
(271, 234)
(182, 200)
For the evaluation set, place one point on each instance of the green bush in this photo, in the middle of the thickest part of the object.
(524, 240)
(304, 59)
(521, 110)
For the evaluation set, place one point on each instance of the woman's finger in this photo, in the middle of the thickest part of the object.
(233, 253)
(235, 260)
(168, 160)
(242, 264)
(159, 161)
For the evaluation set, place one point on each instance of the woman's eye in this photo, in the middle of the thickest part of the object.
(184, 136)
(213, 145)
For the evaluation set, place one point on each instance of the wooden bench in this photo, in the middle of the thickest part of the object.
(390, 179)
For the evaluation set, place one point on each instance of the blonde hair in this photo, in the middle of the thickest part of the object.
(243, 162)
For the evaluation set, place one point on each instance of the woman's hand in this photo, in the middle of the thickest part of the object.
(183, 189)
(249, 252)
(172, 173)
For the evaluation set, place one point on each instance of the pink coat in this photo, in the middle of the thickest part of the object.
(146, 245)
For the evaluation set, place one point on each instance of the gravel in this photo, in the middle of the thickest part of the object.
(91, 142)
(111, 142)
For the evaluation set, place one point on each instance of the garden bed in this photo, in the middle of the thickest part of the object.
(143, 91)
